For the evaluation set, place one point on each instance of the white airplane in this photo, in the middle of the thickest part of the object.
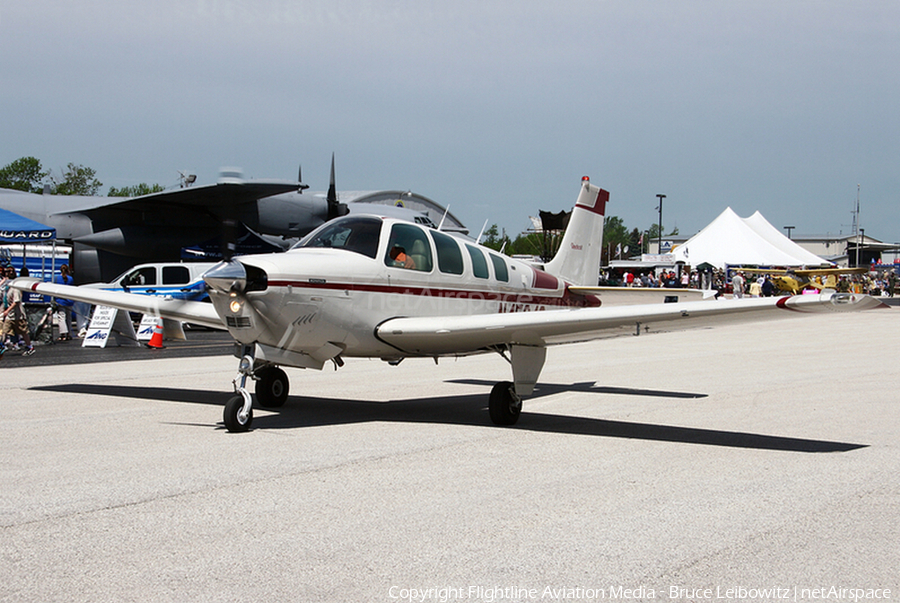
(379, 287)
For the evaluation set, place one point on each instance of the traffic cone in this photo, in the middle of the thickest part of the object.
(156, 340)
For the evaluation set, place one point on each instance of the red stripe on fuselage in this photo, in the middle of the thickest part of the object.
(567, 300)
(542, 280)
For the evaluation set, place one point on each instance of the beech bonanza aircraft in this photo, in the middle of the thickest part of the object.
(379, 287)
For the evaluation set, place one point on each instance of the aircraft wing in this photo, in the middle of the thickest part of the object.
(210, 195)
(618, 296)
(468, 334)
(836, 271)
(195, 312)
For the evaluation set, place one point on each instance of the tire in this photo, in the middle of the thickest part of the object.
(232, 415)
(503, 405)
(272, 387)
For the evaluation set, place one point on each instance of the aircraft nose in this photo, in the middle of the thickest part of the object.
(232, 277)
(227, 277)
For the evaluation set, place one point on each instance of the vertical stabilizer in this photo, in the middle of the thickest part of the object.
(578, 258)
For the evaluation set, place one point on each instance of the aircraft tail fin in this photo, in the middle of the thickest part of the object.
(578, 258)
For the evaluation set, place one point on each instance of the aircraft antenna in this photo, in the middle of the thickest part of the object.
(481, 232)
(300, 177)
(446, 211)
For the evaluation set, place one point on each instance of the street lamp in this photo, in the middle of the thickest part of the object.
(789, 229)
(659, 234)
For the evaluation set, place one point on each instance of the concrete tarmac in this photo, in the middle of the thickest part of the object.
(716, 464)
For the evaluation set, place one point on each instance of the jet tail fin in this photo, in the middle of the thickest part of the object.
(578, 258)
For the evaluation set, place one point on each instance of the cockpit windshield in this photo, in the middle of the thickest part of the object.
(353, 234)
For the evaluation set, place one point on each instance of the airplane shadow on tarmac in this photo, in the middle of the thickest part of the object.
(468, 409)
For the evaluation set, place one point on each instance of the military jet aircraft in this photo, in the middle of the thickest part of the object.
(377, 287)
(110, 234)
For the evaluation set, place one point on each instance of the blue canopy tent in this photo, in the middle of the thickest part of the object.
(19, 230)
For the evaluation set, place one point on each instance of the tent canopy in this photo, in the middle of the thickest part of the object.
(17, 229)
(730, 239)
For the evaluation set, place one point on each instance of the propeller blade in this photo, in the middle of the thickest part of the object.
(335, 208)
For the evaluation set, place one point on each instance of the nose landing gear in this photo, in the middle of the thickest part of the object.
(272, 388)
(239, 409)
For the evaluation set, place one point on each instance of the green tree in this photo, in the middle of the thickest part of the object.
(494, 240)
(653, 232)
(529, 243)
(634, 243)
(76, 180)
(615, 237)
(135, 191)
(23, 174)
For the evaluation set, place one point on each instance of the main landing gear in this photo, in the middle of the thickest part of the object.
(504, 405)
(272, 388)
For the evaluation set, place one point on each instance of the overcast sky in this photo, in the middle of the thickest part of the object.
(496, 109)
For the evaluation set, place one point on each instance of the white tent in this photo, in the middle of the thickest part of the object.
(730, 239)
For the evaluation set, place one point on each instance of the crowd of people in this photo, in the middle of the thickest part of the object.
(15, 330)
(741, 284)
(875, 283)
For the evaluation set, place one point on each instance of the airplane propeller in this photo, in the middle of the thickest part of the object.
(336, 209)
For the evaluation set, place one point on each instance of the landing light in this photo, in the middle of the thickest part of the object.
(235, 306)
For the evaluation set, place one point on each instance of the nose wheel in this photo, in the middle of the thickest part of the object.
(236, 418)
(238, 415)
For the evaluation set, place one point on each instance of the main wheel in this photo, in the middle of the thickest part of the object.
(272, 387)
(232, 416)
(504, 405)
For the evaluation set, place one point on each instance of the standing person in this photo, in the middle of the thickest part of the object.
(756, 288)
(64, 313)
(4, 287)
(737, 286)
(14, 318)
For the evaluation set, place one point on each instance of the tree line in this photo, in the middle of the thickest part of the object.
(28, 175)
(618, 241)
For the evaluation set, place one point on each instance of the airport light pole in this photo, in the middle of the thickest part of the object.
(659, 234)
(862, 241)
(789, 229)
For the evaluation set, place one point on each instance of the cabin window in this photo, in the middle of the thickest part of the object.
(359, 235)
(448, 253)
(140, 277)
(176, 275)
(409, 248)
(479, 264)
(500, 271)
